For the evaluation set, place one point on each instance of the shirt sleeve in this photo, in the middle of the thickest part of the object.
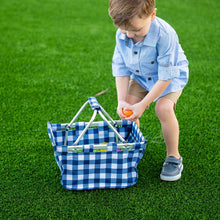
(118, 65)
(168, 45)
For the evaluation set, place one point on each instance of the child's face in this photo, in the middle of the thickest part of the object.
(139, 27)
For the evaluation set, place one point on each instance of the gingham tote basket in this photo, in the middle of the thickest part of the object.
(83, 167)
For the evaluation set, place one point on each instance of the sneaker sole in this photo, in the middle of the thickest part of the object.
(171, 178)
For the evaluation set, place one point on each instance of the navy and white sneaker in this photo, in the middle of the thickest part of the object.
(172, 169)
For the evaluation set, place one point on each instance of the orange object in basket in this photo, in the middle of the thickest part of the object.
(127, 113)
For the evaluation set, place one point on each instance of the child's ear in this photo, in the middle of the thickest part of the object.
(153, 15)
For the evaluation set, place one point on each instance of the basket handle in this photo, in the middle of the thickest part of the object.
(98, 109)
(94, 104)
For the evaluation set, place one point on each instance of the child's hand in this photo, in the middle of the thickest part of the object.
(138, 109)
(122, 105)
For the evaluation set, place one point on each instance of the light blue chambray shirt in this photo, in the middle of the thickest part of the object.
(158, 56)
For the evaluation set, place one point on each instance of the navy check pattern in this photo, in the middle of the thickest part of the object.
(94, 103)
(97, 170)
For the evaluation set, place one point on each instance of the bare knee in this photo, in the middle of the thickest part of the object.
(164, 109)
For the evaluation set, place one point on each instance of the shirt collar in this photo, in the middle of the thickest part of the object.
(127, 40)
(152, 36)
(150, 39)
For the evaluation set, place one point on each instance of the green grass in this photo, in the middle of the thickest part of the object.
(53, 56)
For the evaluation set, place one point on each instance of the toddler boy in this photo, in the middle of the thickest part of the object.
(149, 65)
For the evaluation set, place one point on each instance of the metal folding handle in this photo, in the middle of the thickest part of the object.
(97, 108)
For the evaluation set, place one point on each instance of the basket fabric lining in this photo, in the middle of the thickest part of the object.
(98, 135)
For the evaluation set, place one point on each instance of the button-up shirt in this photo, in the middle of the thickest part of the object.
(158, 56)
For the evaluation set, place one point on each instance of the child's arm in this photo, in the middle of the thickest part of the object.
(157, 89)
(122, 84)
(140, 107)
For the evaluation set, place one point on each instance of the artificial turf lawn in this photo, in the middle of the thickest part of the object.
(53, 56)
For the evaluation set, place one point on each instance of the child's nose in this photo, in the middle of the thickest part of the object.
(129, 34)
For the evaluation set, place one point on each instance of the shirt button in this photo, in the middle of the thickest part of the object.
(152, 62)
(135, 52)
(137, 71)
(149, 78)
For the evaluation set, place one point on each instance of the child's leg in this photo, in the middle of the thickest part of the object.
(165, 112)
(173, 167)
